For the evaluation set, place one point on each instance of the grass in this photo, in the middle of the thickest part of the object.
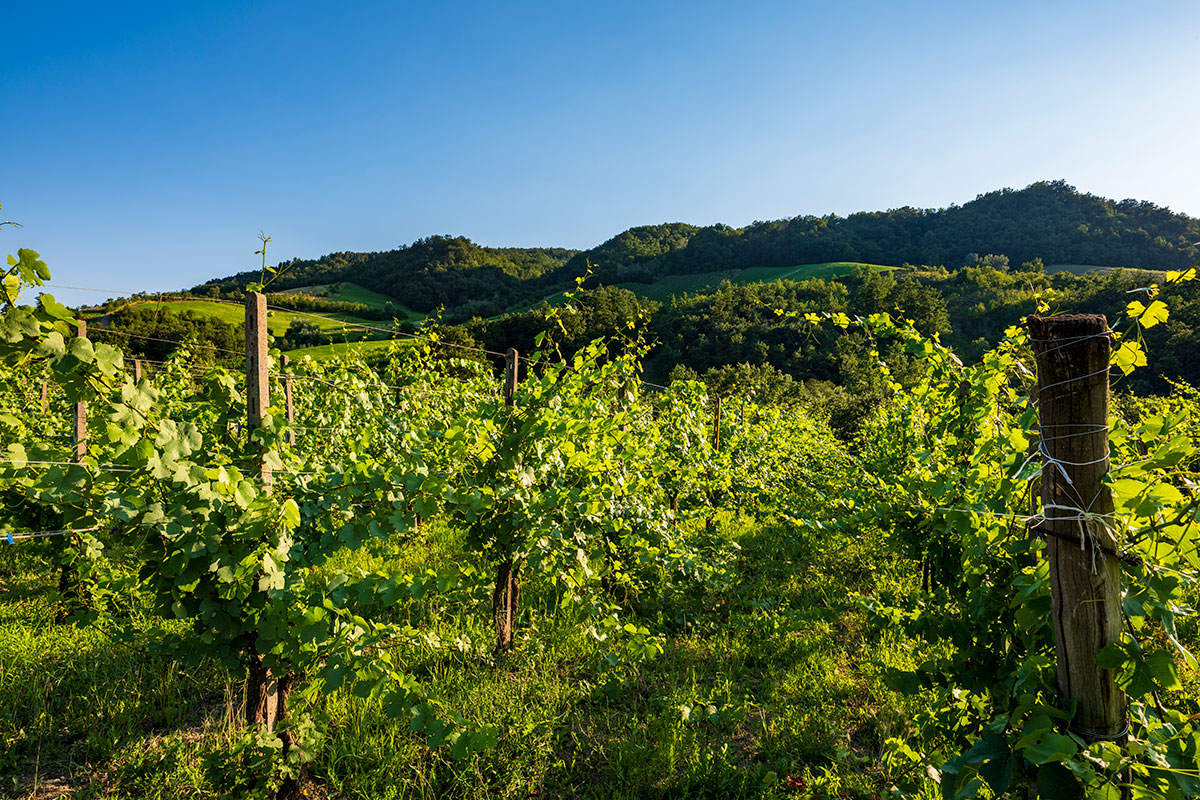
(353, 293)
(664, 289)
(831, 269)
(762, 688)
(330, 352)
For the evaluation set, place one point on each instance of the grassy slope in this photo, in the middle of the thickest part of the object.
(832, 269)
(328, 352)
(277, 321)
(353, 293)
(345, 293)
(774, 674)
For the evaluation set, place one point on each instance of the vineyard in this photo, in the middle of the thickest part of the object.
(482, 573)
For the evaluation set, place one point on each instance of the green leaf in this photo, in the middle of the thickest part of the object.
(998, 773)
(902, 681)
(291, 513)
(1112, 656)
(1055, 782)
(55, 308)
(1162, 666)
(1052, 747)
(1148, 316)
(1129, 356)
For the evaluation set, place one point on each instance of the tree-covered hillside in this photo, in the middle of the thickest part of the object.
(1048, 220)
(438, 271)
(1051, 221)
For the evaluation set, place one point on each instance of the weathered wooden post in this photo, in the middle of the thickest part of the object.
(266, 693)
(68, 578)
(258, 387)
(1081, 547)
(287, 399)
(45, 397)
(261, 690)
(717, 425)
(80, 433)
(506, 597)
(137, 370)
(710, 521)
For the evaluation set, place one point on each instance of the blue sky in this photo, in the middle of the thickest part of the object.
(145, 145)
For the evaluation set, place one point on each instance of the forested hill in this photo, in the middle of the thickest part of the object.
(453, 272)
(1051, 221)
(1048, 220)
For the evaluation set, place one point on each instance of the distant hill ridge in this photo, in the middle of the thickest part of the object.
(1050, 220)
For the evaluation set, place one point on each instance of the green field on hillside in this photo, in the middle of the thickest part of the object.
(664, 289)
(346, 292)
(329, 352)
(803, 272)
(277, 321)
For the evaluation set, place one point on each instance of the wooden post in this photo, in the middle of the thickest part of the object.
(511, 363)
(80, 408)
(68, 578)
(1085, 573)
(137, 370)
(45, 397)
(287, 399)
(506, 597)
(266, 693)
(258, 389)
(717, 425)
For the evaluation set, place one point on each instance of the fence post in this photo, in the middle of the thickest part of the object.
(506, 597)
(287, 399)
(266, 693)
(137, 370)
(68, 578)
(45, 397)
(511, 363)
(80, 433)
(1085, 574)
(717, 425)
(258, 389)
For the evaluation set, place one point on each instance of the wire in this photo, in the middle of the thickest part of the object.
(391, 331)
(167, 341)
(118, 292)
(103, 467)
(14, 537)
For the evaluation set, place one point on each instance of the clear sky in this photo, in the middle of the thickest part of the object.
(145, 145)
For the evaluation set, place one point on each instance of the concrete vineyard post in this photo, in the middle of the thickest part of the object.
(1085, 574)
